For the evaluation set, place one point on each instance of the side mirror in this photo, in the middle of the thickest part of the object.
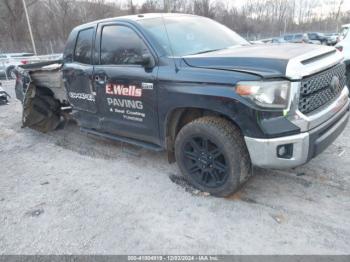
(148, 61)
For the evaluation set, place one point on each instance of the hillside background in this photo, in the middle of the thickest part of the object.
(52, 20)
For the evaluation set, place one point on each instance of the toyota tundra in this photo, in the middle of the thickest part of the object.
(194, 88)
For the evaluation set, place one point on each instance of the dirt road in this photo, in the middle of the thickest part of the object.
(69, 193)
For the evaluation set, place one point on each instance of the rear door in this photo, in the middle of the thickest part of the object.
(78, 73)
(126, 90)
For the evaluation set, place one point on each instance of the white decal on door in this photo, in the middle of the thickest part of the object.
(122, 90)
(82, 96)
(147, 86)
(125, 103)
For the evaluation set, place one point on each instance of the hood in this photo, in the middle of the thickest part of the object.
(267, 61)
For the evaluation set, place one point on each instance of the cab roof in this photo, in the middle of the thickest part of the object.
(134, 18)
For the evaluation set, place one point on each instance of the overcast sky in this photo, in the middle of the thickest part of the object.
(324, 4)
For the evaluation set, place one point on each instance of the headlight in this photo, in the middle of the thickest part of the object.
(272, 94)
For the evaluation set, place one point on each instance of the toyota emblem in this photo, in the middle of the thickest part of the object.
(335, 83)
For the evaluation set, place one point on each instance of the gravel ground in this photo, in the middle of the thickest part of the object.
(69, 193)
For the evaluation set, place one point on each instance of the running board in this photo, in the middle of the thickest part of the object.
(123, 139)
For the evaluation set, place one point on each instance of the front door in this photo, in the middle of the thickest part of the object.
(126, 89)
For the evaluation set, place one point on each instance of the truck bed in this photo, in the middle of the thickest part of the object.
(43, 74)
(40, 88)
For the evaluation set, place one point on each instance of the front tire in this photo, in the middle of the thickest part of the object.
(212, 155)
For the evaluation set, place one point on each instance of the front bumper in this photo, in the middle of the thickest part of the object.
(302, 147)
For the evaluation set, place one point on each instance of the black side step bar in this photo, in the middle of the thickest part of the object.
(123, 139)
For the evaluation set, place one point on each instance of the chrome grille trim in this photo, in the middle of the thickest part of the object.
(296, 70)
(317, 91)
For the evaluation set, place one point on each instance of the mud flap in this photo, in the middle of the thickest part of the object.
(41, 111)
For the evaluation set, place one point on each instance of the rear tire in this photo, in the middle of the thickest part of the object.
(41, 111)
(212, 155)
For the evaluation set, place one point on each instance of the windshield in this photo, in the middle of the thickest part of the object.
(190, 35)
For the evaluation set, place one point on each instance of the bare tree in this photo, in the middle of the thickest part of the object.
(12, 19)
(52, 20)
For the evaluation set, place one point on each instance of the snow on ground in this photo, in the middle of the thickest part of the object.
(69, 193)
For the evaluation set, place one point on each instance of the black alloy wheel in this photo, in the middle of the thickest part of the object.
(212, 155)
(205, 161)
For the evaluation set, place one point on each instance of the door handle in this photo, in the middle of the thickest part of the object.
(99, 79)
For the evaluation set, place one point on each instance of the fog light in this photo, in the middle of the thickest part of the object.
(285, 151)
(281, 150)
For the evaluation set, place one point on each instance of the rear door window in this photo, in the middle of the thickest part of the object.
(83, 47)
(120, 45)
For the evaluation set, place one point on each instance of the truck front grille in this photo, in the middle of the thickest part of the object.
(321, 89)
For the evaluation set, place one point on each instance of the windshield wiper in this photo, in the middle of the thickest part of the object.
(208, 51)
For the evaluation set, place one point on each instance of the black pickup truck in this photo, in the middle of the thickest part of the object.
(192, 87)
